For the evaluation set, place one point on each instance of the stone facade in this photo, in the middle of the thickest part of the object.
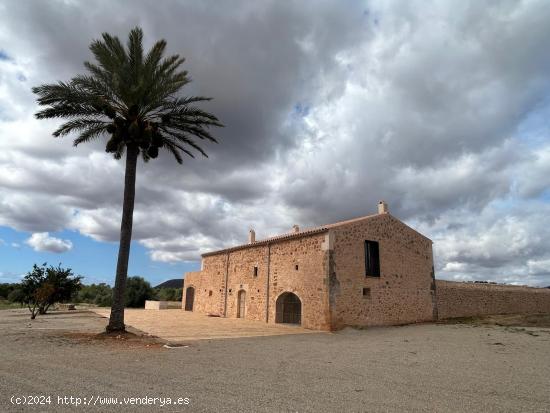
(325, 269)
(457, 299)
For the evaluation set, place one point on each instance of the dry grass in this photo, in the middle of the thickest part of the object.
(4, 305)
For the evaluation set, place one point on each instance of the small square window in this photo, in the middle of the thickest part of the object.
(255, 271)
(366, 292)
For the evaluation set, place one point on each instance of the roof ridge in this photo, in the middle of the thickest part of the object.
(291, 235)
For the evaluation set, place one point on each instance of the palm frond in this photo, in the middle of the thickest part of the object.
(66, 99)
(96, 86)
(135, 53)
(154, 56)
(105, 57)
(180, 147)
(114, 44)
(81, 124)
(179, 136)
(174, 150)
(89, 134)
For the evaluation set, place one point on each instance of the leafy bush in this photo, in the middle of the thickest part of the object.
(6, 289)
(168, 294)
(137, 291)
(17, 295)
(44, 286)
(98, 294)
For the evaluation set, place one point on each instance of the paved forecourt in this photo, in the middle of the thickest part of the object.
(179, 325)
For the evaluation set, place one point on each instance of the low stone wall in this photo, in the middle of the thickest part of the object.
(459, 299)
(161, 305)
(155, 305)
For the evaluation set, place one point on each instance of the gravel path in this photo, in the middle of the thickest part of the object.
(430, 367)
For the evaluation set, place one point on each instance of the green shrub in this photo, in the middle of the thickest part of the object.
(44, 286)
(98, 294)
(168, 294)
(6, 289)
(137, 291)
(17, 296)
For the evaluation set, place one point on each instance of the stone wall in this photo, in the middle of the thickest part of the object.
(209, 285)
(161, 305)
(458, 299)
(308, 281)
(153, 305)
(241, 277)
(404, 291)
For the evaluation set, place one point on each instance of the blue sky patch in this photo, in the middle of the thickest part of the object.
(95, 260)
(4, 55)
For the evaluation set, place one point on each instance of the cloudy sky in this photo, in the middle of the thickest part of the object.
(441, 108)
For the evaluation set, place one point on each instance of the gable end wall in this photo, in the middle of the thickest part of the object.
(404, 292)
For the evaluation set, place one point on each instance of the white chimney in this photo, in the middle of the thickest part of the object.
(382, 207)
(251, 236)
(295, 228)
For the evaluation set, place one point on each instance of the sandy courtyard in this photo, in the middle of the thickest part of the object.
(180, 325)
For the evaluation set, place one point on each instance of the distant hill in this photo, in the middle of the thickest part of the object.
(174, 283)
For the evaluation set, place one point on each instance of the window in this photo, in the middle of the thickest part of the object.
(366, 292)
(296, 266)
(210, 293)
(372, 259)
(255, 271)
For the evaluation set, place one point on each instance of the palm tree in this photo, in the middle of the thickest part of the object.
(133, 100)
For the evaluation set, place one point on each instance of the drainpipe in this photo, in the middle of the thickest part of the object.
(226, 279)
(267, 291)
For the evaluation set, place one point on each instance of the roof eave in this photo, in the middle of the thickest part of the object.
(280, 238)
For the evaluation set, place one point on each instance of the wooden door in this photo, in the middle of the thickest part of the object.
(189, 298)
(241, 304)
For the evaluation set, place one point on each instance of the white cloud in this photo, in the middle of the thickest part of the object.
(42, 241)
(539, 267)
(504, 243)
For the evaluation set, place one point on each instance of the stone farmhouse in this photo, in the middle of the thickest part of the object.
(373, 270)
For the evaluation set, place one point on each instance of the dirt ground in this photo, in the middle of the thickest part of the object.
(468, 366)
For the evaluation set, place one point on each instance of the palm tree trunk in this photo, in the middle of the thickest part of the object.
(116, 321)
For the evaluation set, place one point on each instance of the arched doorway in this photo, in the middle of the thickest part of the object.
(189, 298)
(241, 304)
(289, 309)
